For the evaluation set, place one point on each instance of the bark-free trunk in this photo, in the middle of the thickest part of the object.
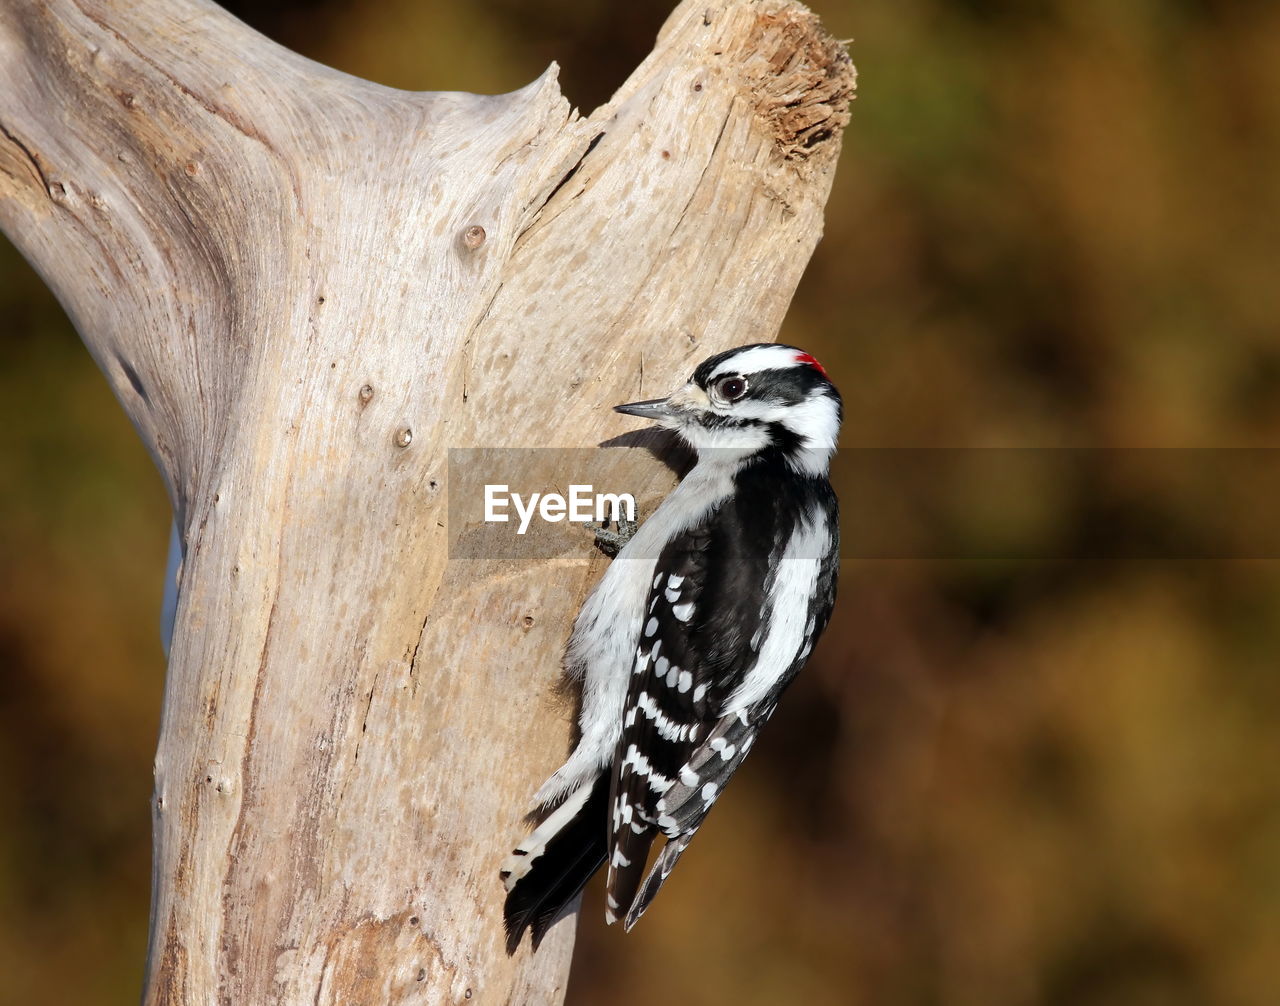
(304, 288)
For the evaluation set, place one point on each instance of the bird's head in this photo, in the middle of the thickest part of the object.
(754, 400)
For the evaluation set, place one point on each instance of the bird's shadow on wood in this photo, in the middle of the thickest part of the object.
(663, 444)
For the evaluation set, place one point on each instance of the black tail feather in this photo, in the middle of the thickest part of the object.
(559, 874)
(662, 868)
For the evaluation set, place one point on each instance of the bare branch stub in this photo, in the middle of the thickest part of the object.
(802, 79)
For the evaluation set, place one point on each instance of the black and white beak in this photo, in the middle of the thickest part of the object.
(657, 409)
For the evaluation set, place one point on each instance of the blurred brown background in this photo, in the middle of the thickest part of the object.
(1034, 779)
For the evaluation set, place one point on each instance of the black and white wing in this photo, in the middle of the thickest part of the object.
(727, 628)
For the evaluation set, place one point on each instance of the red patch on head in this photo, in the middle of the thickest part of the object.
(809, 361)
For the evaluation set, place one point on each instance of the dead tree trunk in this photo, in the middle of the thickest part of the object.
(303, 288)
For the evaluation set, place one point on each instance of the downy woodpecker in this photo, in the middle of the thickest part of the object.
(692, 634)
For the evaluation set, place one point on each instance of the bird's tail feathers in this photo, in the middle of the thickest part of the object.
(549, 869)
(662, 867)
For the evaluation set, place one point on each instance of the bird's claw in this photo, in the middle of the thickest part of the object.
(613, 542)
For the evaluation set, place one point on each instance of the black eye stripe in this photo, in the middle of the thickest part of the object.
(784, 387)
(712, 421)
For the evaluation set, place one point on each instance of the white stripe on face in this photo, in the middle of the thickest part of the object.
(754, 360)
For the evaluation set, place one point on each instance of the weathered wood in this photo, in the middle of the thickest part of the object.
(304, 287)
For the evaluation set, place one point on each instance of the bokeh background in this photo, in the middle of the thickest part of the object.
(1010, 775)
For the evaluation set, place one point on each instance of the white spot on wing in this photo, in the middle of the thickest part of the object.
(667, 729)
(639, 764)
(725, 749)
(683, 611)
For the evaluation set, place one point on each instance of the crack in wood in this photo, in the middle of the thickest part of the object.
(30, 157)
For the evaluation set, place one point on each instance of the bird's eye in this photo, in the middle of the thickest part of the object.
(732, 388)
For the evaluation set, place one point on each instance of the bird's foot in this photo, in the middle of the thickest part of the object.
(613, 542)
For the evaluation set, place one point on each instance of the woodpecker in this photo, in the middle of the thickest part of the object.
(684, 647)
